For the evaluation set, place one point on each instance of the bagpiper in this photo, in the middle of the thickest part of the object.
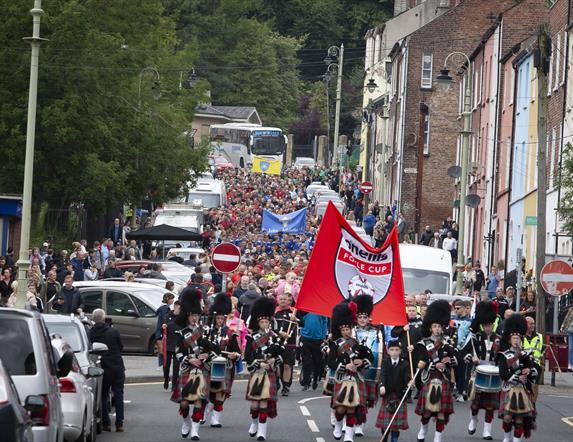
(481, 351)
(518, 374)
(263, 355)
(371, 337)
(225, 344)
(194, 356)
(394, 381)
(437, 356)
(287, 328)
(349, 359)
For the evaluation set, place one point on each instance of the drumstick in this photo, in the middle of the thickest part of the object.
(410, 354)
(398, 408)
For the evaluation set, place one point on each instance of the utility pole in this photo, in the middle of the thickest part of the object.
(541, 59)
(23, 258)
(336, 153)
(369, 142)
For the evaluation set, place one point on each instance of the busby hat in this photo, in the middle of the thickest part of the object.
(342, 315)
(364, 304)
(438, 312)
(221, 305)
(485, 314)
(516, 324)
(262, 308)
(191, 303)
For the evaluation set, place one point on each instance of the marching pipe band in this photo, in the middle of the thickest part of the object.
(362, 370)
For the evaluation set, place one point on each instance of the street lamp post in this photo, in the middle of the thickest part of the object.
(338, 52)
(370, 138)
(23, 258)
(445, 78)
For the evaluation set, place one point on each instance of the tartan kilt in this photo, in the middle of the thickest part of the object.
(485, 401)
(504, 400)
(371, 393)
(182, 382)
(446, 400)
(361, 393)
(272, 410)
(384, 416)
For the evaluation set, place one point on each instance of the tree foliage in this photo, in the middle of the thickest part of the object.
(566, 183)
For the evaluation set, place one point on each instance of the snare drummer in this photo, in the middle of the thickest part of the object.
(518, 373)
(349, 359)
(263, 355)
(481, 349)
(371, 337)
(437, 356)
(225, 344)
(193, 353)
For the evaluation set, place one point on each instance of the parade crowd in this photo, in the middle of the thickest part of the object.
(483, 352)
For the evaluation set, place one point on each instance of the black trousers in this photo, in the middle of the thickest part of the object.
(311, 361)
(167, 366)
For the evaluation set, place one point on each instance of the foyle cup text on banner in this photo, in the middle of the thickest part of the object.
(294, 222)
(342, 267)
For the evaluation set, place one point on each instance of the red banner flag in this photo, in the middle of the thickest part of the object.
(343, 266)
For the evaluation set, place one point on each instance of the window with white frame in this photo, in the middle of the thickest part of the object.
(507, 161)
(427, 134)
(564, 64)
(427, 71)
(551, 62)
(550, 148)
(557, 57)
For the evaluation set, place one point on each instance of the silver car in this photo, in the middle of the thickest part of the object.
(74, 332)
(28, 355)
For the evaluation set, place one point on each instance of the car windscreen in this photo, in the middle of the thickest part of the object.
(152, 297)
(16, 349)
(69, 333)
(210, 200)
(418, 280)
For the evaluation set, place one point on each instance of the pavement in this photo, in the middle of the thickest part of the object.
(304, 416)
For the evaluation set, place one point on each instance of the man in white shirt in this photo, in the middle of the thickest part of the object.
(450, 244)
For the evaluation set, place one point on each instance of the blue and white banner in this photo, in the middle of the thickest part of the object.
(294, 222)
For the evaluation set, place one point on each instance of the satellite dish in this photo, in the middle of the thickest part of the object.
(455, 171)
(472, 200)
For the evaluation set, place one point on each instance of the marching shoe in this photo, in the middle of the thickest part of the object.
(438, 436)
(487, 431)
(472, 425)
(422, 432)
(216, 419)
(337, 432)
(185, 427)
(349, 434)
(254, 427)
(507, 437)
(262, 432)
(195, 430)
(332, 418)
(207, 412)
(516, 439)
(358, 430)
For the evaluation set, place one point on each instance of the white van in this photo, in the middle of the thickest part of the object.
(211, 193)
(424, 268)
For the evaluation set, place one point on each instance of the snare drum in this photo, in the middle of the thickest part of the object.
(487, 379)
(218, 369)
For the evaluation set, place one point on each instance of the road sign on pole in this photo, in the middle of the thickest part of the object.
(557, 278)
(366, 187)
(226, 257)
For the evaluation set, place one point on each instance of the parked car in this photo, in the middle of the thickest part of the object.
(30, 359)
(132, 307)
(152, 281)
(15, 421)
(301, 162)
(186, 252)
(314, 186)
(77, 396)
(75, 333)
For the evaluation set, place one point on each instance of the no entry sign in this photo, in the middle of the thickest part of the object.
(226, 257)
(557, 278)
(366, 187)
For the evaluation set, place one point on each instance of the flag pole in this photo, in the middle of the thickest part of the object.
(398, 408)
(410, 354)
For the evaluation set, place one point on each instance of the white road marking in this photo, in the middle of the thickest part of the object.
(560, 396)
(308, 399)
(312, 425)
(225, 257)
(304, 411)
(126, 401)
(568, 420)
(320, 439)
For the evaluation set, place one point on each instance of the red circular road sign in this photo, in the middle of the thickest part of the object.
(366, 187)
(226, 257)
(557, 278)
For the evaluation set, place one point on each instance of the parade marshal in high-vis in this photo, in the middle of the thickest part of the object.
(342, 267)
